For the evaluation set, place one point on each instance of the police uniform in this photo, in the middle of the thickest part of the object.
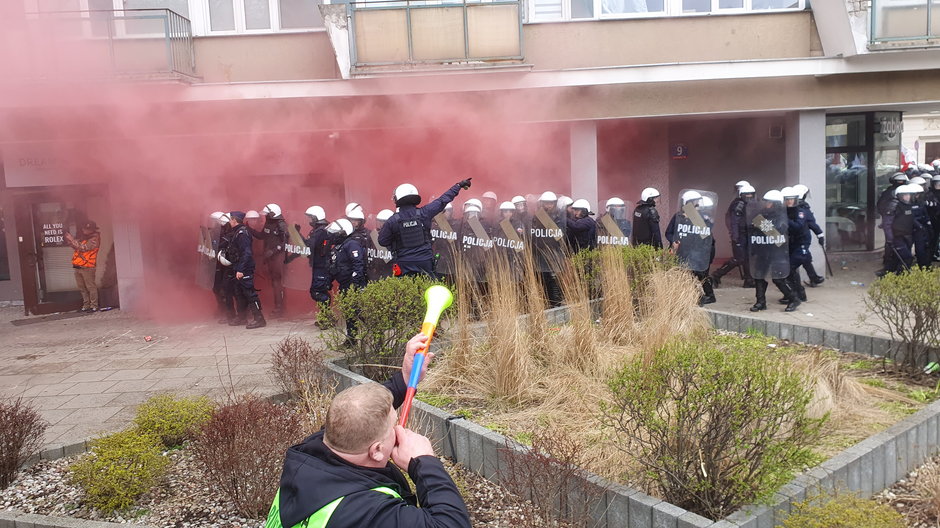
(223, 286)
(582, 233)
(736, 222)
(320, 243)
(246, 297)
(407, 234)
(646, 225)
(798, 235)
(803, 206)
(899, 225)
(274, 236)
(923, 234)
(348, 269)
(672, 236)
(547, 242)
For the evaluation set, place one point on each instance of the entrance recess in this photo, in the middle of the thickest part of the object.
(42, 219)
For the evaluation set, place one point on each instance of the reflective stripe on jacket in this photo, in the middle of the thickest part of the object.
(319, 518)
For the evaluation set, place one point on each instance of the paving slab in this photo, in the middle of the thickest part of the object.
(86, 375)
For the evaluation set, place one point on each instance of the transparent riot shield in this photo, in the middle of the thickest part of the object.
(206, 256)
(379, 258)
(613, 227)
(475, 244)
(297, 275)
(695, 223)
(507, 236)
(547, 238)
(444, 244)
(768, 256)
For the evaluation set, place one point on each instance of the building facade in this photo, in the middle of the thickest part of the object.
(146, 115)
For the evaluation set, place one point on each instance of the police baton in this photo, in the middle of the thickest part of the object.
(898, 255)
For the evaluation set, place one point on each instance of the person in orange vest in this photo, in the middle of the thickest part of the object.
(84, 260)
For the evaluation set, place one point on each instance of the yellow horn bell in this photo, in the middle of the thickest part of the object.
(438, 298)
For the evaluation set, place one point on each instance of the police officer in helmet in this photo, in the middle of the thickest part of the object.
(646, 220)
(736, 222)
(274, 235)
(347, 265)
(239, 256)
(320, 242)
(408, 232)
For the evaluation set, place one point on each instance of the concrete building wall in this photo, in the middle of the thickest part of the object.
(548, 46)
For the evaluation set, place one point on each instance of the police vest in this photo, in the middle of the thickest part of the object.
(85, 259)
(411, 233)
(319, 518)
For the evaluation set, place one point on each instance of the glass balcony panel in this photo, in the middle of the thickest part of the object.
(437, 33)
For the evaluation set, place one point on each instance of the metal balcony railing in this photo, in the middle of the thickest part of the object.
(429, 32)
(900, 21)
(127, 44)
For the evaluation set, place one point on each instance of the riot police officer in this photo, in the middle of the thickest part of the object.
(547, 235)
(320, 242)
(582, 229)
(238, 254)
(444, 243)
(224, 276)
(900, 224)
(932, 204)
(274, 237)
(522, 208)
(922, 236)
(613, 226)
(690, 236)
(768, 254)
(347, 265)
(646, 220)
(815, 279)
(799, 240)
(509, 238)
(736, 223)
(474, 243)
(379, 258)
(357, 217)
(408, 232)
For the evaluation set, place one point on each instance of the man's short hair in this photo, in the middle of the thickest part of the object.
(357, 417)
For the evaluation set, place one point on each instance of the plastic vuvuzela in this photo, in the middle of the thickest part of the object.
(438, 298)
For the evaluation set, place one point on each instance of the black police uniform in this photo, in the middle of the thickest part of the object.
(899, 224)
(222, 284)
(932, 204)
(646, 224)
(407, 234)
(246, 297)
(320, 243)
(922, 236)
(582, 233)
(348, 269)
(274, 235)
(799, 237)
(736, 222)
(672, 236)
(814, 278)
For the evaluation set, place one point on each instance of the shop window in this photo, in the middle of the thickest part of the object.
(4, 256)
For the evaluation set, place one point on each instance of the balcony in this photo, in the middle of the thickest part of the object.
(131, 44)
(904, 24)
(405, 35)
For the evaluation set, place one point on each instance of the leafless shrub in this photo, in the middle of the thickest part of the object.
(297, 368)
(549, 474)
(21, 435)
(242, 449)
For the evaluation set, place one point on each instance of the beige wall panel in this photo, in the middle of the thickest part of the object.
(494, 30)
(381, 35)
(285, 57)
(438, 33)
(552, 46)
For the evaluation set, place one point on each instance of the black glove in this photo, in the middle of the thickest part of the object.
(464, 184)
(297, 227)
(822, 240)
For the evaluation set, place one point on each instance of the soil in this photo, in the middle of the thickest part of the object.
(916, 496)
(186, 501)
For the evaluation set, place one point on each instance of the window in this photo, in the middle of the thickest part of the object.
(251, 16)
(555, 10)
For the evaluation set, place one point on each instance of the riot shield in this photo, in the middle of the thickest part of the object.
(694, 229)
(507, 237)
(444, 244)
(475, 243)
(379, 258)
(297, 275)
(206, 257)
(768, 256)
(613, 229)
(547, 238)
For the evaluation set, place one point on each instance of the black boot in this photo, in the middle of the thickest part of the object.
(748, 283)
(760, 290)
(259, 321)
(239, 319)
(791, 307)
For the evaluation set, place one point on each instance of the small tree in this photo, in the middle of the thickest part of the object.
(242, 449)
(716, 424)
(297, 367)
(21, 435)
(387, 313)
(907, 306)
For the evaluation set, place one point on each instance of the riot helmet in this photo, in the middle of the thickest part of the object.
(406, 194)
(918, 180)
(383, 217)
(316, 215)
(747, 191)
(691, 196)
(898, 177)
(649, 195)
(741, 183)
(773, 196)
(340, 227)
(272, 210)
(582, 207)
(616, 208)
(802, 191)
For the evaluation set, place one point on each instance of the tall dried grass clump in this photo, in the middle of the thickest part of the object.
(670, 308)
(619, 314)
(574, 278)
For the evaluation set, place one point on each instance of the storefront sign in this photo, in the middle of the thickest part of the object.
(891, 127)
(679, 151)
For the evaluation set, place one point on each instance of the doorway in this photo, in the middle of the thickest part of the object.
(42, 219)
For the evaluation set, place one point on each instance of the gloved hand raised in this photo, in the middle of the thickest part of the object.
(297, 227)
(464, 184)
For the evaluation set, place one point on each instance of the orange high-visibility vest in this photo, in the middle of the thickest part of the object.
(86, 259)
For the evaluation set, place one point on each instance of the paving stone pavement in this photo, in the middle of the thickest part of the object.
(87, 374)
(836, 304)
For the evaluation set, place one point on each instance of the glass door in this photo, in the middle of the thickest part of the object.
(848, 176)
(42, 221)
